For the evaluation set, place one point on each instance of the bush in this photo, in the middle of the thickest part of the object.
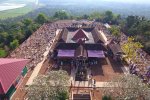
(3, 53)
(105, 97)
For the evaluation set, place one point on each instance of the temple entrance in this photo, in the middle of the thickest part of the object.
(81, 70)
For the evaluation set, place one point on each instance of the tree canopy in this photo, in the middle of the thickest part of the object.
(13, 34)
(138, 27)
(41, 18)
(52, 86)
(61, 15)
(130, 48)
(127, 87)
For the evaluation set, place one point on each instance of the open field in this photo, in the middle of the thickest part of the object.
(15, 12)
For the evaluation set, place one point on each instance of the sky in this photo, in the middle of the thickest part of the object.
(124, 1)
(131, 1)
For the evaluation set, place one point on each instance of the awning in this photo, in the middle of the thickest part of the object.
(96, 53)
(66, 53)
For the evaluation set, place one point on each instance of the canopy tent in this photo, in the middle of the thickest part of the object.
(96, 53)
(66, 53)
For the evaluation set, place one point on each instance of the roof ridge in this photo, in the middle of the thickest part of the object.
(14, 61)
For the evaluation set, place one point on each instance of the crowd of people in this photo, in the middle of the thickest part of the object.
(34, 47)
(141, 66)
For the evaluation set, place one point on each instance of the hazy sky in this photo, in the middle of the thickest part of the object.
(131, 1)
(124, 1)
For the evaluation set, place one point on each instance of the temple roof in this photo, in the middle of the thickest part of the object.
(80, 35)
(81, 52)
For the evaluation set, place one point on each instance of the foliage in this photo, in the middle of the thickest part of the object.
(14, 44)
(127, 87)
(41, 19)
(12, 34)
(108, 16)
(115, 31)
(52, 86)
(97, 16)
(130, 48)
(3, 53)
(138, 27)
(61, 15)
(105, 97)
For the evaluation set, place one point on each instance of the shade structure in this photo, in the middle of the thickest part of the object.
(66, 53)
(96, 53)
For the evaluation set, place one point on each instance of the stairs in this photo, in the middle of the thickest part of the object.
(81, 97)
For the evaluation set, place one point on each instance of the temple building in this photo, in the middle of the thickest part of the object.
(12, 71)
(79, 47)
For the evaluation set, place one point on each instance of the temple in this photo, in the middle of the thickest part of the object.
(79, 47)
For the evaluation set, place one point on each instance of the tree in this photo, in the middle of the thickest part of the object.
(61, 15)
(127, 87)
(3, 37)
(41, 19)
(108, 16)
(14, 44)
(97, 16)
(28, 21)
(85, 16)
(115, 31)
(130, 49)
(52, 86)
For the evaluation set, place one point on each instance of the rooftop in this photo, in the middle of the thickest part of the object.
(9, 71)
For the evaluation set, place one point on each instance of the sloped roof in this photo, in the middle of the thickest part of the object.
(96, 46)
(65, 46)
(80, 35)
(97, 36)
(115, 48)
(9, 71)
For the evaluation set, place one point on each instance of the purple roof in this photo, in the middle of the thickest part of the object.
(66, 53)
(96, 53)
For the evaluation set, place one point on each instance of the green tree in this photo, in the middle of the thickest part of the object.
(108, 17)
(97, 16)
(41, 19)
(4, 37)
(14, 44)
(61, 15)
(28, 21)
(115, 31)
(53, 86)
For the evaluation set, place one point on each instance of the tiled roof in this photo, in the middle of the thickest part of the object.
(9, 71)
(80, 35)
(115, 48)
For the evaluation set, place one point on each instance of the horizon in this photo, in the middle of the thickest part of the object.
(115, 1)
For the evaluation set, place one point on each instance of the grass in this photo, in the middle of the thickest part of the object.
(3, 53)
(15, 12)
